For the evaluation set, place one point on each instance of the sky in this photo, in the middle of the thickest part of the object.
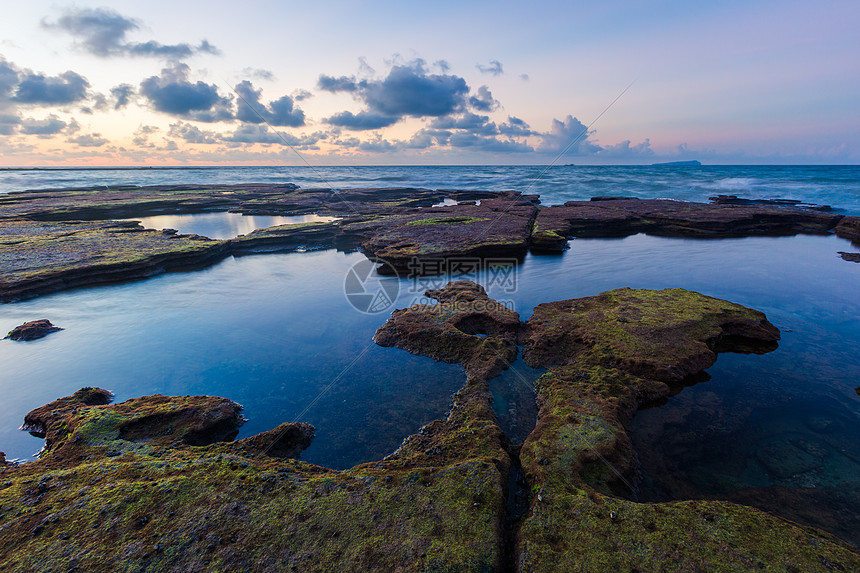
(154, 83)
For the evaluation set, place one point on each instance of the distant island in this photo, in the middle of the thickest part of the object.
(690, 163)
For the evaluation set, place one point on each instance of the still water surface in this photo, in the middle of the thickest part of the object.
(276, 333)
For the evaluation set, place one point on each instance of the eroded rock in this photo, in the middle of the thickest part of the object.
(466, 327)
(32, 330)
(622, 217)
(849, 228)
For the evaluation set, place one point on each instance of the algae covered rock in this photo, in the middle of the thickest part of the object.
(849, 228)
(146, 484)
(466, 327)
(662, 335)
(32, 330)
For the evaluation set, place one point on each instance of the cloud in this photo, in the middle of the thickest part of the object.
(51, 125)
(172, 93)
(515, 127)
(334, 85)
(378, 145)
(121, 95)
(477, 124)
(9, 123)
(563, 133)
(483, 100)
(102, 32)
(524, 77)
(407, 91)
(258, 74)
(141, 135)
(280, 112)
(248, 134)
(68, 87)
(301, 95)
(427, 138)
(192, 134)
(8, 79)
(624, 149)
(489, 144)
(495, 68)
(88, 140)
(362, 120)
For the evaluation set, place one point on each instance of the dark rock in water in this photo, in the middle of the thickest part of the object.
(285, 441)
(735, 200)
(452, 330)
(416, 243)
(849, 228)
(857, 390)
(851, 257)
(615, 327)
(664, 217)
(131, 488)
(612, 198)
(33, 330)
(47, 419)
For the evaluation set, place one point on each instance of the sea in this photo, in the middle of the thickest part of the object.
(279, 333)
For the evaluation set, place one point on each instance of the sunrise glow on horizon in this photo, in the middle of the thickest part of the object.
(159, 84)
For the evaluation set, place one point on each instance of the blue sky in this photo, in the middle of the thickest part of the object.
(163, 83)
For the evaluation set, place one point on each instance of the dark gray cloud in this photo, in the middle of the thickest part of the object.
(88, 140)
(495, 68)
(477, 124)
(407, 91)
(515, 127)
(361, 120)
(173, 93)
(280, 112)
(427, 138)
(51, 125)
(483, 100)
(563, 133)
(334, 85)
(68, 87)
(8, 79)
(379, 145)
(410, 91)
(121, 95)
(9, 123)
(102, 32)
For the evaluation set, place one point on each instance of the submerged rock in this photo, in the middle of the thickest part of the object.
(32, 330)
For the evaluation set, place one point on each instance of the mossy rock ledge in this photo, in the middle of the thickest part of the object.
(156, 483)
